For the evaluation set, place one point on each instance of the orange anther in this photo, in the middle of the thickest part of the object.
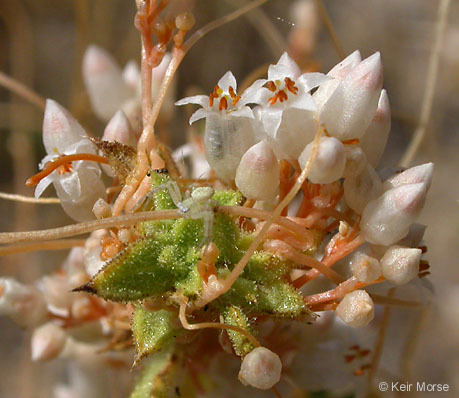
(211, 100)
(271, 86)
(282, 96)
(236, 100)
(231, 92)
(223, 104)
(290, 84)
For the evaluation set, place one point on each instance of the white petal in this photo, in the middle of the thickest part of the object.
(243, 112)
(104, 81)
(199, 114)
(256, 93)
(271, 119)
(43, 184)
(202, 100)
(226, 81)
(285, 67)
(302, 100)
(60, 129)
(308, 81)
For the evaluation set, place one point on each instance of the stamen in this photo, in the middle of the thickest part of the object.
(63, 161)
(223, 104)
(270, 86)
(290, 84)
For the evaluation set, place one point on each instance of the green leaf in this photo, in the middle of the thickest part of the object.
(158, 378)
(152, 330)
(235, 317)
(133, 274)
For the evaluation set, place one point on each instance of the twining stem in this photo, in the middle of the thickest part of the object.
(88, 226)
(61, 161)
(429, 92)
(22, 91)
(28, 199)
(62, 244)
(214, 325)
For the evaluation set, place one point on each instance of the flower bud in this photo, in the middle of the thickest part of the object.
(57, 294)
(104, 81)
(387, 219)
(328, 165)
(119, 129)
(365, 268)
(257, 176)
(422, 173)
(375, 138)
(362, 188)
(356, 161)
(24, 304)
(356, 308)
(349, 110)
(400, 265)
(339, 72)
(101, 209)
(47, 342)
(261, 368)
(131, 76)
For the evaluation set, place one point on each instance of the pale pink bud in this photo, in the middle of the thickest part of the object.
(261, 368)
(361, 189)
(338, 72)
(356, 309)
(348, 112)
(131, 75)
(102, 209)
(24, 304)
(365, 268)
(257, 176)
(400, 264)
(387, 219)
(422, 173)
(356, 161)
(47, 342)
(104, 81)
(119, 129)
(60, 129)
(374, 140)
(57, 294)
(328, 165)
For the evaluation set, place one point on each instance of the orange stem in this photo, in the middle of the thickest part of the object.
(35, 179)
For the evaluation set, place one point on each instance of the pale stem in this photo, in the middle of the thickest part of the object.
(22, 91)
(28, 199)
(214, 325)
(145, 69)
(88, 226)
(431, 79)
(42, 246)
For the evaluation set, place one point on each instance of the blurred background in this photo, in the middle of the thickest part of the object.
(42, 43)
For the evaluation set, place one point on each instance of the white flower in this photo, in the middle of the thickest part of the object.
(228, 132)
(78, 184)
(286, 111)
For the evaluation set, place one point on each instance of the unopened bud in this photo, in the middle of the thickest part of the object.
(257, 176)
(356, 308)
(339, 72)
(422, 173)
(131, 75)
(387, 219)
(348, 112)
(328, 165)
(360, 189)
(24, 304)
(356, 161)
(185, 21)
(375, 138)
(47, 342)
(261, 368)
(101, 209)
(400, 264)
(365, 268)
(119, 129)
(104, 81)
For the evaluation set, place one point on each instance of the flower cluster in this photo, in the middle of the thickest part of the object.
(346, 230)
